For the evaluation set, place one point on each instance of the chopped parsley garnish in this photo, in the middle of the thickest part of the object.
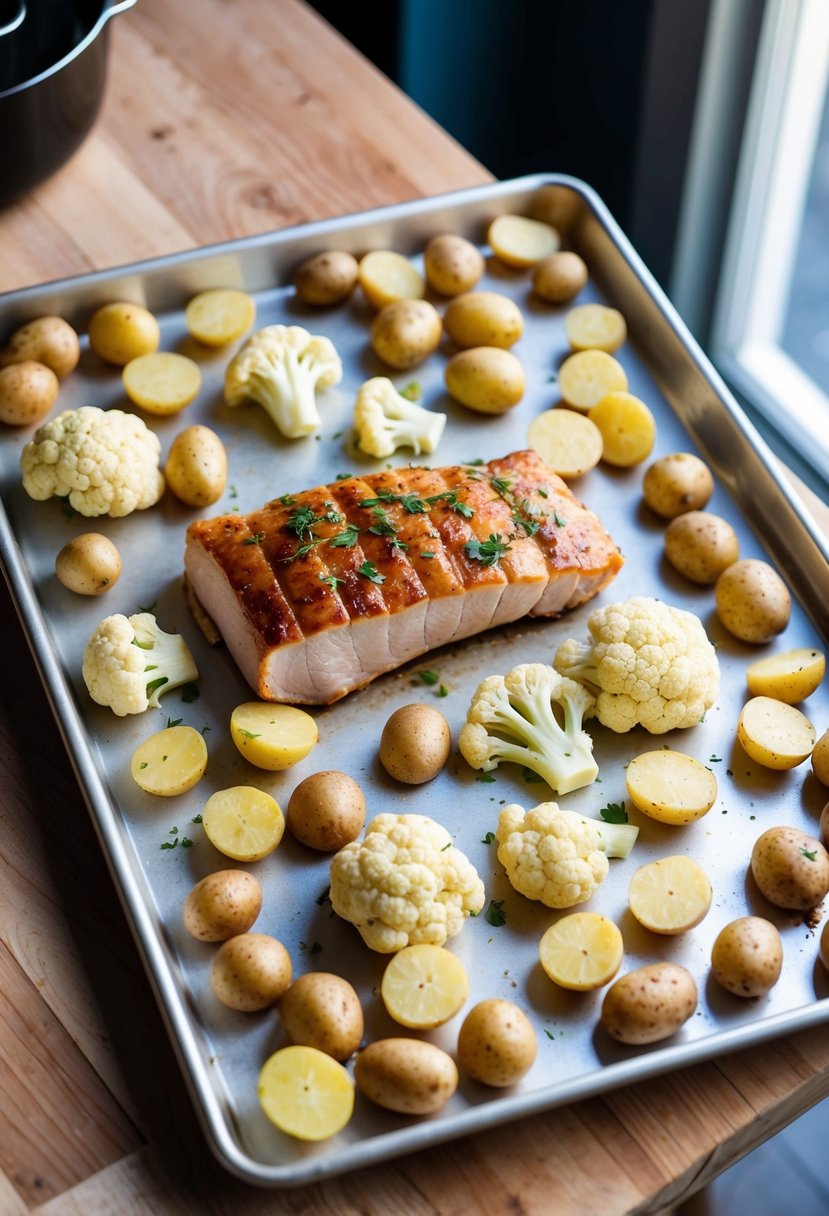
(549, 1033)
(331, 580)
(443, 691)
(501, 485)
(428, 676)
(249, 734)
(715, 759)
(448, 845)
(487, 778)
(488, 551)
(174, 722)
(560, 521)
(255, 538)
(302, 521)
(186, 842)
(196, 819)
(495, 913)
(144, 764)
(543, 492)
(412, 391)
(810, 856)
(370, 571)
(286, 500)
(148, 607)
(346, 539)
(488, 839)
(476, 463)
(427, 556)
(169, 844)
(614, 812)
(530, 526)
(343, 476)
(190, 693)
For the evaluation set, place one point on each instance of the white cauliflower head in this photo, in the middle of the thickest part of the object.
(648, 663)
(406, 884)
(281, 367)
(129, 662)
(104, 461)
(385, 421)
(551, 855)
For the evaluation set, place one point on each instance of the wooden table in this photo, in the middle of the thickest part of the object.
(223, 119)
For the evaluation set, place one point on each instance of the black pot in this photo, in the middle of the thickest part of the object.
(52, 71)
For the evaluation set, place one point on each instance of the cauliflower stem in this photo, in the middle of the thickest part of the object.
(532, 716)
(280, 367)
(385, 421)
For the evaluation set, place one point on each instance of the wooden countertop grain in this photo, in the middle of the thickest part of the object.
(224, 118)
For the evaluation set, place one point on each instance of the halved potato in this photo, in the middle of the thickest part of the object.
(521, 242)
(628, 429)
(582, 951)
(775, 734)
(220, 316)
(587, 376)
(791, 676)
(386, 277)
(272, 737)
(161, 382)
(595, 327)
(671, 895)
(568, 442)
(670, 787)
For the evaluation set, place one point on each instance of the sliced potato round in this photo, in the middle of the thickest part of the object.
(775, 734)
(243, 822)
(521, 242)
(670, 786)
(559, 277)
(424, 986)
(587, 376)
(671, 895)
(220, 316)
(161, 382)
(628, 429)
(791, 676)
(595, 327)
(581, 951)
(306, 1093)
(272, 737)
(170, 762)
(568, 442)
(700, 545)
(386, 277)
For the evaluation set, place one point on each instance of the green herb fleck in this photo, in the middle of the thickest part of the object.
(412, 391)
(488, 551)
(488, 839)
(549, 1033)
(427, 556)
(249, 734)
(205, 729)
(346, 539)
(337, 435)
(495, 913)
(186, 842)
(190, 693)
(169, 844)
(343, 476)
(448, 845)
(159, 683)
(255, 538)
(530, 777)
(614, 812)
(370, 571)
(287, 500)
(543, 492)
(560, 521)
(810, 856)
(302, 521)
(148, 607)
(428, 676)
(196, 819)
(715, 759)
(174, 722)
(443, 691)
(476, 463)
(331, 580)
(487, 778)
(144, 764)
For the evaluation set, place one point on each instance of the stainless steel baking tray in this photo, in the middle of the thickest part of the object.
(221, 1052)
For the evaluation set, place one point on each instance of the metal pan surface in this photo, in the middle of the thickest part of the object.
(221, 1052)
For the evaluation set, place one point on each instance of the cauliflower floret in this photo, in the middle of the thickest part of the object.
(405, 884)
(385, 421)
(129, 662)
(104, 461)
(555, 856)
(648, 663)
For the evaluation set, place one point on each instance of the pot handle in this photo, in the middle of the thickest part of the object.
(17, 20)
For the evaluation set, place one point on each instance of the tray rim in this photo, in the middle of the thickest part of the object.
(214, 1119)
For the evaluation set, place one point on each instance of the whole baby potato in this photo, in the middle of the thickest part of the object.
(196, 469)
(221, 905)
(824, 826)
(322, 1010)
(326, 811)
(410, 1076)
(88, 564)
(753, 602)
(701, 545)
(649, 1004)
(556, 205)
(677, 483)
(559, 277)
(250, 972)
(48, 340)
(486, 379)
(452, 264)
(27, 393)
(406, 332)
(791, 868)
(120, 331)
(326, 278)
(747, 956)
(496, 1043)
(483, 318)
(415, 743)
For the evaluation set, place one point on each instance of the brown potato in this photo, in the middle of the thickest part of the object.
(486, 379)
(747, 957)
(415, 743)
(223, 904)
(791, 868)
(820, 759)
(700, 545)
(326, 811)
(824, 826)
(483, 318)
(48, 340)
(649, 1004)
(327, 278)
(497, 1043)
(823, 948)
(250, 972)
(452, 264)
(196, 468)
(27, 393)
(406, 1075)
(322, 1010)
(556, 205)
(753, 602)
(88, 564)
(406, 332)
(677, 483)
(559, 277)
(122, 331)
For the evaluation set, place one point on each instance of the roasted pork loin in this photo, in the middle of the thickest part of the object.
(321, 591)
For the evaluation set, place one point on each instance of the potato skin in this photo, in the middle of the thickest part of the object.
(785, 870)
(88, 564)
(327, 278)
(120, 331)
(322, 1010)
(196, 468)
(221, 905)
(747, 957)
(700, 545)
(250, 972)
(753, 602)
(823, 946)
(27, 392)
(415, 743)
(486, 379)
(677, 483)
(405, 333)
(820, 759)
(496, 1043)
(649, 1004)
(410, 1076)
(452, 264)
(483, 318)
(48, 340)
(559, 277)
(326, 811)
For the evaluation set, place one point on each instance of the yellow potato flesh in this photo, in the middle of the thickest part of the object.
(220, 316)
(670, 786)
(582, 951)
(791, 676)
(243, 822)
(386, 277)
(671, 895)
(775, 734)
(272, 737)
(170, 762)
(568, 442)
(595, 327)
(521, 242)
(306, 1093)
(162, 382)
(587, 376)
(628, 429)
(424, 986)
